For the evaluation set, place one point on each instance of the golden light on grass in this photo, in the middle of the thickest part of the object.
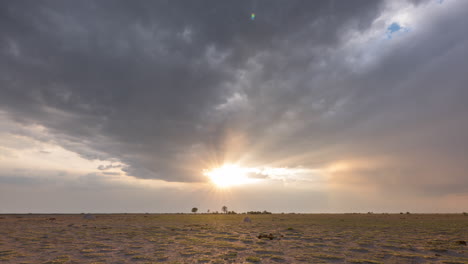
(229, 175)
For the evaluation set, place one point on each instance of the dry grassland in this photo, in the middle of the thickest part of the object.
(287, 238)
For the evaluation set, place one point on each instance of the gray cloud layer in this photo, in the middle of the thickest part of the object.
(167, 87)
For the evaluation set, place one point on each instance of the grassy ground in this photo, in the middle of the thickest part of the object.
(350, 238)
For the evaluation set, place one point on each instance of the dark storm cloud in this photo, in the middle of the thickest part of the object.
(139, 81)
(163, 86)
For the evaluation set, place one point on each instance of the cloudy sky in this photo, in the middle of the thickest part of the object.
(160, 106)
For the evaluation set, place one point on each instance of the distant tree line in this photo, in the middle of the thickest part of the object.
(225, 210)
(258, 212)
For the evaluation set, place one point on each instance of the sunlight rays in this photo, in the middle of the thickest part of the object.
(229, 175)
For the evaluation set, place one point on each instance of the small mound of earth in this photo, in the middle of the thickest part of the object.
(89, 216)
(269, 236)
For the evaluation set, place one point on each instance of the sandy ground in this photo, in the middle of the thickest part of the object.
(153, 238)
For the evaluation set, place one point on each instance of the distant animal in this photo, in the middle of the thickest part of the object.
(52, 219)
(247, 220)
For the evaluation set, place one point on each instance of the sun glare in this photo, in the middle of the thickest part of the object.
(228, 175)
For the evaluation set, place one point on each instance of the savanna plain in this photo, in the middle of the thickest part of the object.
(210, 238)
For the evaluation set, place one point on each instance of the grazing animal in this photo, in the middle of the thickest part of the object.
(247, 220)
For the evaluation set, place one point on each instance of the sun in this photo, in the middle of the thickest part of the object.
(228, 175)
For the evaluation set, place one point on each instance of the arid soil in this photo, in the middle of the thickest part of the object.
(201, 238)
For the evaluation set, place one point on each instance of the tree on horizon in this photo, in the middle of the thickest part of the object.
(194, 210)
(225, 209)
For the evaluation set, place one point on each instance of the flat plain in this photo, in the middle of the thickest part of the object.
(206, 238)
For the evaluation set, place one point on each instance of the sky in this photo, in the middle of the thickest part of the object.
(161, 106)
